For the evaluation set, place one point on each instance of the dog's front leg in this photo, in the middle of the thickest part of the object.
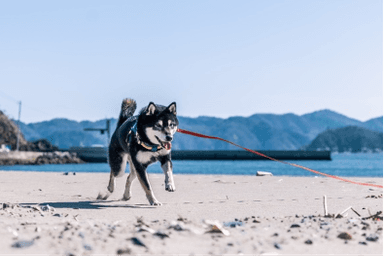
(144, 181)
(166, 165)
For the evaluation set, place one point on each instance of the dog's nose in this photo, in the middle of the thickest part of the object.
(169, 138)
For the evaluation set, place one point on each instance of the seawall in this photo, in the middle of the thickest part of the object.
(99, 154)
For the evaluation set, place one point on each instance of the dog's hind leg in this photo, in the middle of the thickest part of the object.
(112, 183)
(111, 187)
(132, 175)
(118, 163)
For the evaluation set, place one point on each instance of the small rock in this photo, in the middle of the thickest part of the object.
(125, 251)
(263, 173)
(160, 234)
(372, 238)
(57, 215)
(295, 226)
(22, 244)
(87, 247)
(277, 246)
(345, 236)
(308, 242)
(177, 226)
(46, 207)
(363, 243)
(233, 224)
(65, 173)
(7, 205)
(138, 242)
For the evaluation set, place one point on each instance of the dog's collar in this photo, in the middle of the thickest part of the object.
(133, 131)
(153, 148)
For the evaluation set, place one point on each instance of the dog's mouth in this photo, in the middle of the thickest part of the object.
(167, 145)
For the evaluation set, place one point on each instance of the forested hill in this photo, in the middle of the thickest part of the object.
(348, 139)
(259, 131)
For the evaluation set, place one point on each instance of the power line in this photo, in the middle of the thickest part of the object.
(10, 98)
(6, 96)
(18, 126)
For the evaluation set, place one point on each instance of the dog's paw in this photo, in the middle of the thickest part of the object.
(170, 187)
(125, 198)
(102, 196)
(156, 203)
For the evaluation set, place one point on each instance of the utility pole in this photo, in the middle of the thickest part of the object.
(18, 128)
(108, 128)
(103, 130)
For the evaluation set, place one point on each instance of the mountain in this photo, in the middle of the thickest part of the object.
(374, 124)
(66, 133)
(348, 139)
(259, 131)
(327, 118)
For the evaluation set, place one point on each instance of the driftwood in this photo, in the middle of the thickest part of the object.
(325, 206)
(374, 216)
(355, 212)
(341, 214)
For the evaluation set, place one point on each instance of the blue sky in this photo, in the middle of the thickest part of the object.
(79, 59)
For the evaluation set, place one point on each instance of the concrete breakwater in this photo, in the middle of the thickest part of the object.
(99, 154)
(35, 158)
(20, 155)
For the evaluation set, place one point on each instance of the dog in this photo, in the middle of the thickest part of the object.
(142, 140)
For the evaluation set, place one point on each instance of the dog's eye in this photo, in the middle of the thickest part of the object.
(172, 125)
(158, 126)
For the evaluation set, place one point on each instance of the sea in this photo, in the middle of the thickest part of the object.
(342, 164)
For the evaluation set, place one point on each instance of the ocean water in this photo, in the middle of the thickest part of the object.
(344, 165)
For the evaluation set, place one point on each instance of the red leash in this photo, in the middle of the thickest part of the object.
(273, 159)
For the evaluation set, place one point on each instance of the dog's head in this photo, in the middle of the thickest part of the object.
(159, 123)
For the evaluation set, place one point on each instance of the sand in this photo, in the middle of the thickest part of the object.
(57, 214)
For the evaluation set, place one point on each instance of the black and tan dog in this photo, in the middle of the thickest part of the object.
(142, 140)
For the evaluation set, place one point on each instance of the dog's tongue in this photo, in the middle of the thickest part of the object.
(167, 145)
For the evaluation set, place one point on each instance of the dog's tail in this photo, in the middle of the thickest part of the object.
(128, 107)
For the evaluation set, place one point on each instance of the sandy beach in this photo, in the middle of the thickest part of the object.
(57, 214)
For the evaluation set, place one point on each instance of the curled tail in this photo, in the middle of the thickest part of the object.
(128, 107)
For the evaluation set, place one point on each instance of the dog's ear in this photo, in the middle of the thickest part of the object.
(172, 108)
(151, 109)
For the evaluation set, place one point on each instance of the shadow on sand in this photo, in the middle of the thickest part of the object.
(97, 204)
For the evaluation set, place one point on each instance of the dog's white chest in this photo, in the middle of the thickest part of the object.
(148, 157)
